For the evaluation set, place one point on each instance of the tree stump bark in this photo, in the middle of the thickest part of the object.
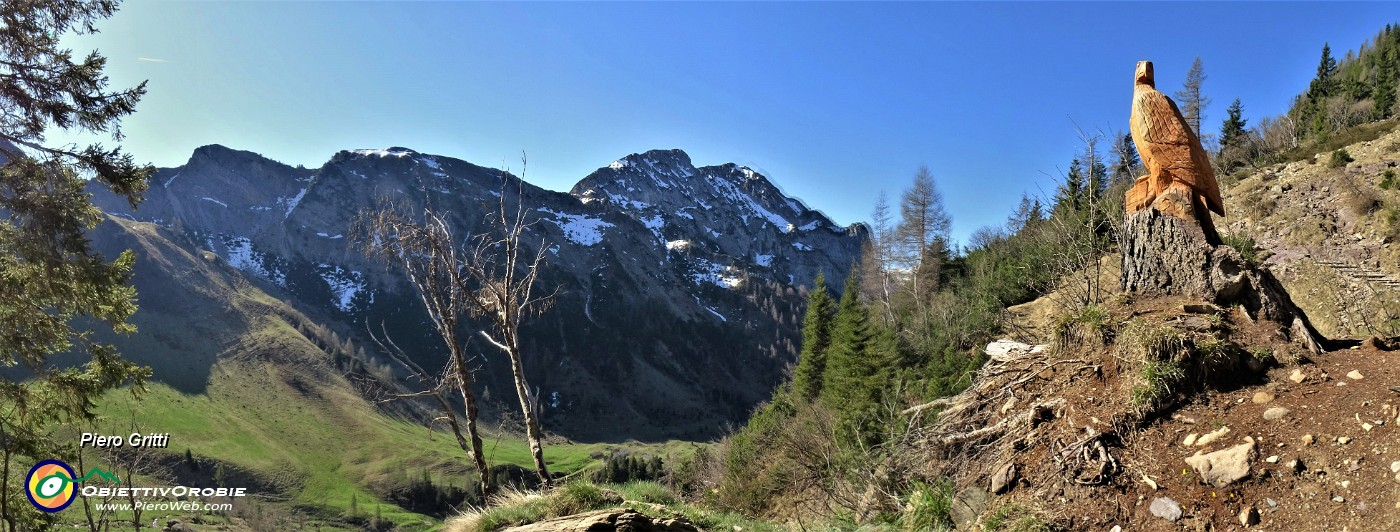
(1168, 255)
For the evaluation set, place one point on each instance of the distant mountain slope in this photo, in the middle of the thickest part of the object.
(679, 287)
(1330, 234)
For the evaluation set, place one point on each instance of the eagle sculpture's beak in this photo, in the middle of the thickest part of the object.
(1144, 74)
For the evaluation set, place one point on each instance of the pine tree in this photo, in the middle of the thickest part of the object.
(1070, 196)
(1193, 104)
(1384, 92)
(850, 369)
(1232, 132)
(816, 339)
(54, 283)
(1324, 83)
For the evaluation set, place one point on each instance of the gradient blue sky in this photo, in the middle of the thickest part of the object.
(833, 101)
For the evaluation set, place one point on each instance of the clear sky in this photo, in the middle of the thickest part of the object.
(833, 101)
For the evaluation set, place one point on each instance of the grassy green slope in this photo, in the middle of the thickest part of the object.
(236, 382)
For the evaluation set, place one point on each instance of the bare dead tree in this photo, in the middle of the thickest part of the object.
(437, 386)
(425, 250)
(503, 273)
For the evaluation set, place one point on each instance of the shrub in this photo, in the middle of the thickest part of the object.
(1244, 245)
(930, 506)
(1159, 381)
(1339, 159)
(1090, 324)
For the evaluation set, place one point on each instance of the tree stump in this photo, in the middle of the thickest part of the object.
(1167, 255)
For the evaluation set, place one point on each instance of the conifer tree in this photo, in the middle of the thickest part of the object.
(816, 339)
(1193, 104)
(52, 283)
(1069, 197)
(1384, 93)
(849, 387)
(1324, 82)
(1126, 161)
(1232, 131)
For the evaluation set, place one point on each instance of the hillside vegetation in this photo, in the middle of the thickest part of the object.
(899, 446)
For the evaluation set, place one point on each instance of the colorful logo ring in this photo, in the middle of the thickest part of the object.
(49, 485)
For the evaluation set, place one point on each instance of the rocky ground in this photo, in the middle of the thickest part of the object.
(1272, 440)
(1325, 452)
(1329, 233)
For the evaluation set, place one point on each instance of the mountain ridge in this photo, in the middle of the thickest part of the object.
(680, 288)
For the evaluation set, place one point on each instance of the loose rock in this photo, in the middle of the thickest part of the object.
(1297, 376)
(1249, 516)
(1355, 375)
(1272, 459)
(1263, 397)
(1190, 440)
(1343, 440)
(1395, 466)
(1166, 508)
(1223, 467)
(1308, 439)
(1276, 413)
(1205, 440)
(1004, 479)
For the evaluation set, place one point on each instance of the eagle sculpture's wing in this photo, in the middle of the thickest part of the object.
(1157, 121)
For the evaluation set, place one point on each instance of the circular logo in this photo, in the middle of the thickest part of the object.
(50, 485)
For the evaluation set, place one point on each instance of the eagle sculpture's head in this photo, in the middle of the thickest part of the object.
(1144, 74)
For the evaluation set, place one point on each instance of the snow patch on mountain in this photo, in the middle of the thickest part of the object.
(391, 152)
(291, 202)
(344, 284)
(716, 274)
(239, 253)
(580, 229)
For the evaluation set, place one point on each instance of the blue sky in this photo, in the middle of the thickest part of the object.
(833, 101)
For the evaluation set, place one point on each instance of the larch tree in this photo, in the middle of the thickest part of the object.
(51, 280)
(923, 233)
(877, 260)
(1193, 103)
(924, 224)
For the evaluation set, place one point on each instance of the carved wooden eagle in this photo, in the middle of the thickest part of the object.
(1169, 148)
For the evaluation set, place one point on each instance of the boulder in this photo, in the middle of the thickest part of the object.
(968, 505)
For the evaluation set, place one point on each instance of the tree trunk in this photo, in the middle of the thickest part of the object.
(532, 421)
(5, 488)
(464, 381)
(1168, 255)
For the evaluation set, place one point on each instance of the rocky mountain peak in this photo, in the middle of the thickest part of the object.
(649, 245)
